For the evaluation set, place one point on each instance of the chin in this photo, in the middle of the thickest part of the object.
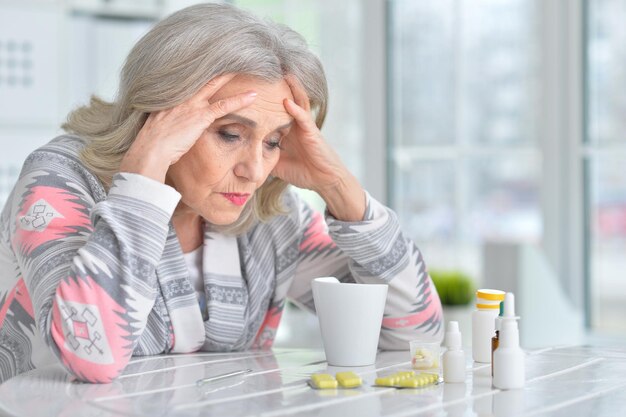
(222, 218)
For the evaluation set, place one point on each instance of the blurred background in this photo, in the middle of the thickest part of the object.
(495, 128)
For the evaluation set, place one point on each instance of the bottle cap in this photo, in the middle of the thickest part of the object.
(491, 295)
(489, 299)
(453, 335)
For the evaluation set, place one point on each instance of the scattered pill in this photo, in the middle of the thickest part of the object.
(348, 379)
(323, 381)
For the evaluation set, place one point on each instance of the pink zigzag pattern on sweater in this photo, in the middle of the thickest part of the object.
(315, 236)
(32, 232)
(270, 323)
(19, 293)
(433, 308)
(88, 310)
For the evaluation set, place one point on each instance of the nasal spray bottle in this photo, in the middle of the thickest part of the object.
(453, 358)
(508, 359)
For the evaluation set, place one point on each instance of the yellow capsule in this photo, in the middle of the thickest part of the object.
(432, 377)
(323, 381)
(409, 383)
(405, 374)
(388, 381)
(348, 379)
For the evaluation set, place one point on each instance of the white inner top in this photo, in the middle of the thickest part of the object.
(193, 260)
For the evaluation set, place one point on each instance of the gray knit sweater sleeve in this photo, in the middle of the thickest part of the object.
(86, 267)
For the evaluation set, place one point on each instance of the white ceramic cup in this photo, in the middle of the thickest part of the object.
(350, 317)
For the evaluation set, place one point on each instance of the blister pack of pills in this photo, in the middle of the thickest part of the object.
(349, 380)
(407, 379)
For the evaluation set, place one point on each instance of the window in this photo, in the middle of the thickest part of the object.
(605, 161)
(464, 116)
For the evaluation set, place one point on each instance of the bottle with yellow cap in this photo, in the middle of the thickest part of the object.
(483, 323)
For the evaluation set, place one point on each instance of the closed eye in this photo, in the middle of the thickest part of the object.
(273, 144)
(228, 137)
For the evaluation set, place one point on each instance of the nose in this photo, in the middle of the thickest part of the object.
(250, 164)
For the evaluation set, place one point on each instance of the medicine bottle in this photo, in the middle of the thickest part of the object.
(453, 357)
(508, 359)
(483, 323)
(495, 340)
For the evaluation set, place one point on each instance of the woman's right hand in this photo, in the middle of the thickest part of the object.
(168, 134)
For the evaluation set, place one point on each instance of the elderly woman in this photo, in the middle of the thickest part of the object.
(162, 221)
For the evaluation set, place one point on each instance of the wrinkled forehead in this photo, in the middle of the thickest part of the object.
(270, 95)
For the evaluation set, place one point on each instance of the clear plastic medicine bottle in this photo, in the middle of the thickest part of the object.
(483, 323)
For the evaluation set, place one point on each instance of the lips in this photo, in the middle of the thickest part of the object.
(236, 198)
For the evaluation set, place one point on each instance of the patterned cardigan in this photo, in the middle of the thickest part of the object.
(90, 278)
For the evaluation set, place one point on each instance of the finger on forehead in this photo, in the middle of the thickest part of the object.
(298, 91)
(213, 86)
(302, 116)
(227, 105)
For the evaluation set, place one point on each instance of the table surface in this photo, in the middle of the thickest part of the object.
(561, 381)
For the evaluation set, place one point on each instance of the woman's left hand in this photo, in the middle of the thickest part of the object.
(307, 161)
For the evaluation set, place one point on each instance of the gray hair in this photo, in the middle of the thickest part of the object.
(173, 61)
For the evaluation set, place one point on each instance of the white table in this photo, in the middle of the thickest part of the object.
(562, 381)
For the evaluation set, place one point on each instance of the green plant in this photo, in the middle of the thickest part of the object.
(454, 287)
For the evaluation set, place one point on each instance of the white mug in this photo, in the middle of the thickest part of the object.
(350, 317)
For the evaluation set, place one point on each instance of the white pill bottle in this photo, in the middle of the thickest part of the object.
(484, 323)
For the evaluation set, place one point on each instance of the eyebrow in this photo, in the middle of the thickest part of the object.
(249, 122)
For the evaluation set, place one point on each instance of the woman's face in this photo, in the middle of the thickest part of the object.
(235, 154)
